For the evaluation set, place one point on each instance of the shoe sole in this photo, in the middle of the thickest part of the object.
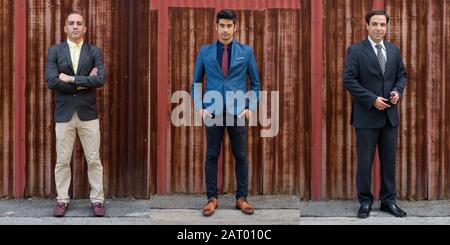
(208, 215)
(249, 213)
(363, 217)
(395, 215)
(61, 215)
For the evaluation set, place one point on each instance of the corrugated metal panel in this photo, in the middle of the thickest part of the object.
(189, 29)
(6, 98)
(125, 112)
(234, 4)
(280, 40)
(127, 33)
(343, 25)
(421, 29)
(282, 47)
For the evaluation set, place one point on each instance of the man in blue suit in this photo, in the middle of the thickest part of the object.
(227, 64)
(376, 77)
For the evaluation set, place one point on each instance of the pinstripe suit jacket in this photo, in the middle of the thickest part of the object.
(366, 82)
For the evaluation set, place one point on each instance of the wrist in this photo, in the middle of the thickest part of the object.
(71, 79)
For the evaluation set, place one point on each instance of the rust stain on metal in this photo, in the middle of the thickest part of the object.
(189, 29)
(280, 32)
(122, 30)
(279, 38)
(343, 25)
(6, 98)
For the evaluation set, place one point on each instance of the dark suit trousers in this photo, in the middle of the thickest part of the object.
(367, 140)
(214, 138)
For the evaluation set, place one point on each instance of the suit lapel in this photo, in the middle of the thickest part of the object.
(84, 51)
(213, 57)
(372, 56)
(67, 55)
(389, 58)
(233, 55)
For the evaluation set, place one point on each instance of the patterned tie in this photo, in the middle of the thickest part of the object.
(381, 58)
(225, 60)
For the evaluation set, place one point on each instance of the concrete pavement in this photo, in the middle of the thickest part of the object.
(186, 210)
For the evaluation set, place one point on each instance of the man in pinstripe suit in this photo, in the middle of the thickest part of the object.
(376, 78)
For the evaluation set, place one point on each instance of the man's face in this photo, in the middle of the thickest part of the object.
(226, 30)
(377, 28)
(75, 27)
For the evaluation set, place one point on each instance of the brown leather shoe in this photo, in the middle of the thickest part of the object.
(243, 205)
(210, 207)
(98, 209)
(60, 209)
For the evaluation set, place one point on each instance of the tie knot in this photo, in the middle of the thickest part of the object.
(378, 46)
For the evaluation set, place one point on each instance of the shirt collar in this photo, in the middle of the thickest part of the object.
(74, 45)
(373, 43)
(220, 44)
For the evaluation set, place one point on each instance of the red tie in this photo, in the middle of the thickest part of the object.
(225, 60)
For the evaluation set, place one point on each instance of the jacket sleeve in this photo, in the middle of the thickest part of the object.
(401, 78)
(52, 74)
(255, 83)
(93, 81)
(196, 88)
(351, 80)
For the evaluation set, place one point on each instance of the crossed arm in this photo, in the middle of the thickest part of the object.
(67, 84)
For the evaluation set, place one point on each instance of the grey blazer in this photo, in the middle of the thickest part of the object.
(68, 99)
(364, 79)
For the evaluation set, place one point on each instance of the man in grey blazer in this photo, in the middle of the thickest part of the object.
(376, 78)
(74, 70)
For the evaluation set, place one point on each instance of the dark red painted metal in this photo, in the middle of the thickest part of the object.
(316, 98)
(422, 171)
(20, 35)
(233, 4)
(282, 49)
(6, 99)
(378, 4)
(163, 97)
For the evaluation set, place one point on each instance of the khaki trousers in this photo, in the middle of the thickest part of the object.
(89, 133)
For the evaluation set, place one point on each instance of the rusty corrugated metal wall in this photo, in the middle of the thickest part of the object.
(280, 40)
(343, 25)
(128, 33)
(125, 32)
(189, 29)
(6, 97)
(421, 29)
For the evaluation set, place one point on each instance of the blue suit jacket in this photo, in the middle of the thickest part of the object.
(242, 66)
(364, 79)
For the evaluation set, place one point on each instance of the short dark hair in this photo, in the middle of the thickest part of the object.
(377, 12)
(77, 13)
(226, 14)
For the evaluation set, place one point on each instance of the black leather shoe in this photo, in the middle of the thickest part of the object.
(364, 211)
(393, 209)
